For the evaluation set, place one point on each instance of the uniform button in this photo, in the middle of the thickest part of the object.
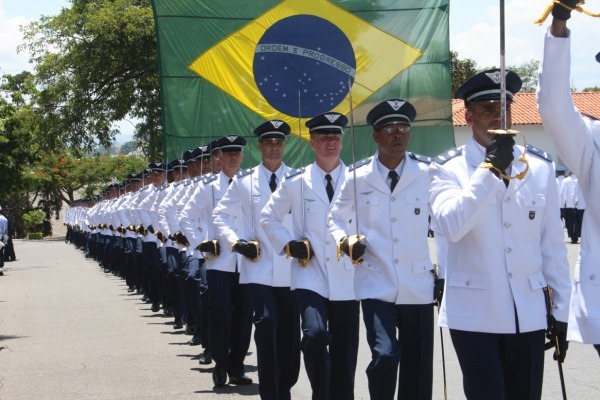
(368, 202)
(507, 199)
(395, 261)
(417, 199)
(592, 277)
(326, 258)
(327, 242)
(393, 198)
(468, 283)
(507, 224)
(396, 240)
(394, 219)
(508, 250)
(509, 275)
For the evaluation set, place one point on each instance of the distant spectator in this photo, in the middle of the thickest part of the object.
(9, 251)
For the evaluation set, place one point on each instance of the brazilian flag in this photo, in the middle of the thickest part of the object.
(227, 66)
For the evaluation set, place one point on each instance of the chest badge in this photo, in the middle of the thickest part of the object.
(531, 215)
(417, 211)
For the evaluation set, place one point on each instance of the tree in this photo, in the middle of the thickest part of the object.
(128, 147)
(33, 220)
(591, 89)
(528, 72)
(96, 64)
(65, 176)
(460, 70)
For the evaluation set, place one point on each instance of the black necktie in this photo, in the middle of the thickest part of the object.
(273, 182)
(393, 175)
(230, 180)
(329, 187)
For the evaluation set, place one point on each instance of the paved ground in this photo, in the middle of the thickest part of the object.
(70, 331)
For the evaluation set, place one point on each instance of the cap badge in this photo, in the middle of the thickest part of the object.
(232, 138)
(276, 124)
(396, 104)
(332, 117)
(495, 76)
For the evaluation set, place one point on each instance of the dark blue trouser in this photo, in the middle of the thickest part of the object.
(151, 263)
(500, 366)
(230, 315)
(399, 335)
(330, 332)
(174, 291)
(277, 338)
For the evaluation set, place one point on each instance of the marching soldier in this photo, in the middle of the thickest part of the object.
(394, 280)
(150, 243)
(196, 286)
(133, 184)
(323, 285)
(504, 247)
(172, 258)
(263, 268)
(576, 137)
(230, 315)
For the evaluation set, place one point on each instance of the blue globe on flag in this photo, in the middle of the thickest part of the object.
(304, 66)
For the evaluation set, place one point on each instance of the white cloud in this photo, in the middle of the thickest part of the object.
(10, 38)
(523, 39)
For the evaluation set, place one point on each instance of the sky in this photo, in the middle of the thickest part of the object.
(474, 34)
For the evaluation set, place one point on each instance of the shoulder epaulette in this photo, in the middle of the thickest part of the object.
(294, 172)
(449, 155)
(360, 163)
(539, 152)
(210, 178)
(245, 172)
(420, 157)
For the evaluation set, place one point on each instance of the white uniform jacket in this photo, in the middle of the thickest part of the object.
(396, 267)
(271, 268)
(190, 188)
(578, 142)
(505, 244)
(324, 274)
(198, 224)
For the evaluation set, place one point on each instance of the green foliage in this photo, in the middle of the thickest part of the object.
(592, 89)
(528, 72)
(460, 70)
(34, 236)
(96, 64)
(128, 147)
(33, 219)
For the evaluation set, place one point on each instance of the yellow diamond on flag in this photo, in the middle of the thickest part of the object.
(301, 58)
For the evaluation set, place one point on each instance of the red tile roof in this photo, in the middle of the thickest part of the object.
(524, 108)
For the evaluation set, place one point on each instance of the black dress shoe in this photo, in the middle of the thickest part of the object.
(219, 376)
(177, 325)
(205, 358)
(240, 380)
(194, 341)
(155, 308)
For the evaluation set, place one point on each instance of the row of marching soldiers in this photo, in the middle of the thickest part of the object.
(220, 248)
